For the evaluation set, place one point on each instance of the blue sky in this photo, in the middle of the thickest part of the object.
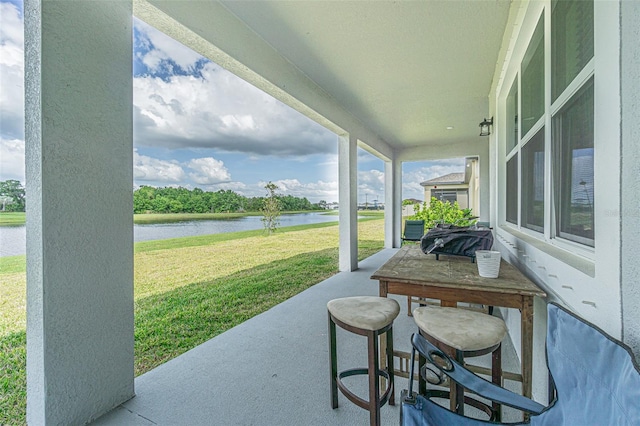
(197, 125)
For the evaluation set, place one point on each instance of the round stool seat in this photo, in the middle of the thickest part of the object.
(459, 328)
(364, 312)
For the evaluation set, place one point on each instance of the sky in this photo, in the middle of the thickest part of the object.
(198, 125)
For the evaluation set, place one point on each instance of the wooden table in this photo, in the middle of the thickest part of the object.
(452, 279)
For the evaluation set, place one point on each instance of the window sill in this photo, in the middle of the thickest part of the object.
(582, 264)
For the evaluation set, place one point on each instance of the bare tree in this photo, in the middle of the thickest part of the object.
(271, 209)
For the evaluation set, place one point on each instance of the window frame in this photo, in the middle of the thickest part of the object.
(549, 232)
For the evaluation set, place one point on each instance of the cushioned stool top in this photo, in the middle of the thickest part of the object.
(459, 328)
(365, 312)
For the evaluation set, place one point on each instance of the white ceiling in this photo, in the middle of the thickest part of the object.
(404, 70)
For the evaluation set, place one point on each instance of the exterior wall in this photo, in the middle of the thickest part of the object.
(586, 280)
(79, 156)
(474, 187)
(630, 178)
(445, 186)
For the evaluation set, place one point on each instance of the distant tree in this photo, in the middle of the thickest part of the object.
(254, 204)
(271, 209)
(5, 200)
(322, 204)
(13, 189)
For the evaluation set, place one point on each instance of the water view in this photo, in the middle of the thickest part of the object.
(13, 238)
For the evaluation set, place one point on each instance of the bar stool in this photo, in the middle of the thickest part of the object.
(367, 316)
(461, 334)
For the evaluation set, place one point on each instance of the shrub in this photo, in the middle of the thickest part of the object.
(443, 212)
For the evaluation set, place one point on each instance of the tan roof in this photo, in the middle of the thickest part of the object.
(451, 178)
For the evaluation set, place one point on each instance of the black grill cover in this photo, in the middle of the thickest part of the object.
(456, 241)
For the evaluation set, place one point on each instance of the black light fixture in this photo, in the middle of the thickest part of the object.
(485, 130)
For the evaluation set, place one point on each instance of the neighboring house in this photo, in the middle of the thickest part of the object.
(456, 187)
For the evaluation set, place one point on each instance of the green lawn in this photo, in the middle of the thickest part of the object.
(12, 218)
(183, 298)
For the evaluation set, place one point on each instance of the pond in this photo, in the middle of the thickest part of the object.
(13, 238)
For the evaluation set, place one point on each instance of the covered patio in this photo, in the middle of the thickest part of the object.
(274, 368)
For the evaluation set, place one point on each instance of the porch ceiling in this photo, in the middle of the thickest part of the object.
(404, 70)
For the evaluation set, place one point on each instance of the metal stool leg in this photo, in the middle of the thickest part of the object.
(390, 366)
(333, 363)
(374, 380)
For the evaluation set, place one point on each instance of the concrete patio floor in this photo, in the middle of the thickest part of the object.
(271, 370)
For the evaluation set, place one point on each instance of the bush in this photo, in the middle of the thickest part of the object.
(443, 212)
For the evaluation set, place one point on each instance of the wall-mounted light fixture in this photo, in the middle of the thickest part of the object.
(485, 129)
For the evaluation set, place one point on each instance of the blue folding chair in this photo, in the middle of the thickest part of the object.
(596, 381)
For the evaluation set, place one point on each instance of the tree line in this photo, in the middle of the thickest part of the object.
(148, 199)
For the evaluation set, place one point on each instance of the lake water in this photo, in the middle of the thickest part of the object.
(13, 238)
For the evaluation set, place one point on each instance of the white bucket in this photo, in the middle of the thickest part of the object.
(488, 263)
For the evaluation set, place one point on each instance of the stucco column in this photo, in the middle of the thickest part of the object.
(630, 172)
(392, 203)
(348, 199)
(79, 142)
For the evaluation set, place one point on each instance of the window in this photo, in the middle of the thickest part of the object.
(573, 156)
(533, 80)
(512, 117)
(572, 42)
(533, 183)
(565, 163)
(512, 190)
(461, 196)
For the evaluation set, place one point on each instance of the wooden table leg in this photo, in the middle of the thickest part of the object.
(382, 344)
(527, 345)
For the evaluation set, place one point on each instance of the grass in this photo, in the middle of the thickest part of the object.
(12, 218)
(187, 291)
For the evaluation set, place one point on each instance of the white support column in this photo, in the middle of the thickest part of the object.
(79, 155)
(348, 199)
(392, 203)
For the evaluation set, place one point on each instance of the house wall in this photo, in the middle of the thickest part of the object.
(630, 177)
(446, 186)
(79, 171)
(584, 279)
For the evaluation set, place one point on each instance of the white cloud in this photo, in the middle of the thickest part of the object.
(313, 191)
(216, 109)
(12, 154)
(166, 49)
(238, 187)
(221, 111)
(208, 171)
(154, 170)
(370, 182)
(11, 73)
(411, 180)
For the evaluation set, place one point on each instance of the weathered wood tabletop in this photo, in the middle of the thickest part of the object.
(453, 279)
(411, 266)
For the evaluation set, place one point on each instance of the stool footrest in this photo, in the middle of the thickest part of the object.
(360, 402)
